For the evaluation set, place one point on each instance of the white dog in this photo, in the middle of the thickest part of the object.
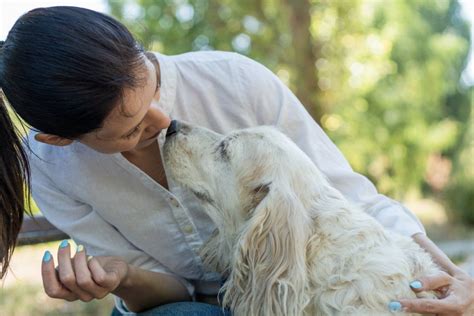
(289, 242)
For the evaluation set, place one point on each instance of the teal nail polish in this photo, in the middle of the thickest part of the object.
(47, 256)
(64, 244)
(395, 306)
(416, 285)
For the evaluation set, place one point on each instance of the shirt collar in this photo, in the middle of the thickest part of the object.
(168, 83)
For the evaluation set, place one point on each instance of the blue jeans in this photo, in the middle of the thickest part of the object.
(181, 309)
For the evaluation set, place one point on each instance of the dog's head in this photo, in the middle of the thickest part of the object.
(258, 187)
(233, 173)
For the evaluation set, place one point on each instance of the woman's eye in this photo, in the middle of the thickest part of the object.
(133, 133)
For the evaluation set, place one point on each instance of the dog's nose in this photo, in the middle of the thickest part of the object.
(173, 128)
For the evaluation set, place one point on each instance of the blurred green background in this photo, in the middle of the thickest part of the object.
(383, 79)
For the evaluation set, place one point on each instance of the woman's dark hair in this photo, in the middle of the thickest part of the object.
(62, 70)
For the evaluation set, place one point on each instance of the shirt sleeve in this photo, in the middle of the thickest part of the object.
(274, 104)
(86, 227)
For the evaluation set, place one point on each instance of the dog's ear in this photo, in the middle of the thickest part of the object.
(269, 265)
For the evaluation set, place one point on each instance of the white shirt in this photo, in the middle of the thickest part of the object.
(112, 207)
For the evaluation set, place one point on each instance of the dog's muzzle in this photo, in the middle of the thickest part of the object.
(173, 128)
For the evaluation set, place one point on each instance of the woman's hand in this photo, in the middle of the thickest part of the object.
(455, 293)
(81, 278)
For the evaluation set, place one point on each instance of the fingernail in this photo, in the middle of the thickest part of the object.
(64, 244)
(47, 256)
(89, 258)
(79, 248)
(416, 285)
(395, 306)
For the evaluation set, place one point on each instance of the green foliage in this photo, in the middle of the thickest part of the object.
(381, 77)
(459, 197)
(391, 107)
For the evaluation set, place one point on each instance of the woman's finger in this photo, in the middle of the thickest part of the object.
(432, 282)
(66, 272)
(51, 284)
(108, 280)
(431, 306)
(84, 278)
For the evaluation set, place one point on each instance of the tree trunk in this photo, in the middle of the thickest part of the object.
(305, 54)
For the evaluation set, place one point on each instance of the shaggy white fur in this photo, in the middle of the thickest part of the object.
(288, 241)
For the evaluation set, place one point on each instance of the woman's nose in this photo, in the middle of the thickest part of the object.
(157, 118)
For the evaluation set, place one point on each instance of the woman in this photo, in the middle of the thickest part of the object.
(98, 104)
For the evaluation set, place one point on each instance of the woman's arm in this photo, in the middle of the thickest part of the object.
(117, 264)
(143, 289)
(437, 254)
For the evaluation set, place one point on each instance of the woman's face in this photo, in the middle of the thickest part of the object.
(137, 130)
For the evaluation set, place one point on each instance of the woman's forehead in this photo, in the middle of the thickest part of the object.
(132, 106)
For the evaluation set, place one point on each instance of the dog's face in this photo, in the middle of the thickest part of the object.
(232, 173)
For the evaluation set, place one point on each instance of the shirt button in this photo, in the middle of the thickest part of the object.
(174, 202)
(188, 229)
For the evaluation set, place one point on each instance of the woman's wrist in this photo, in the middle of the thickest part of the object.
(127, 281)
(143, 289)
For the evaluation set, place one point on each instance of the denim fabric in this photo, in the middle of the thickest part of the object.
(180, 309)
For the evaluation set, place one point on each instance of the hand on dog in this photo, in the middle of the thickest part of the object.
(81, 278)
(455, 293)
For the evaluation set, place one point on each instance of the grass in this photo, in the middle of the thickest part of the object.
(25, 299)
(22, 294)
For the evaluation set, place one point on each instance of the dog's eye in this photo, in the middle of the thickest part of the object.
(203, 196)
(262, 189)
(223, 146)
(222, 149)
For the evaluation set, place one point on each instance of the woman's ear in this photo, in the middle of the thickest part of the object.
(268, 272)
(54, 140)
